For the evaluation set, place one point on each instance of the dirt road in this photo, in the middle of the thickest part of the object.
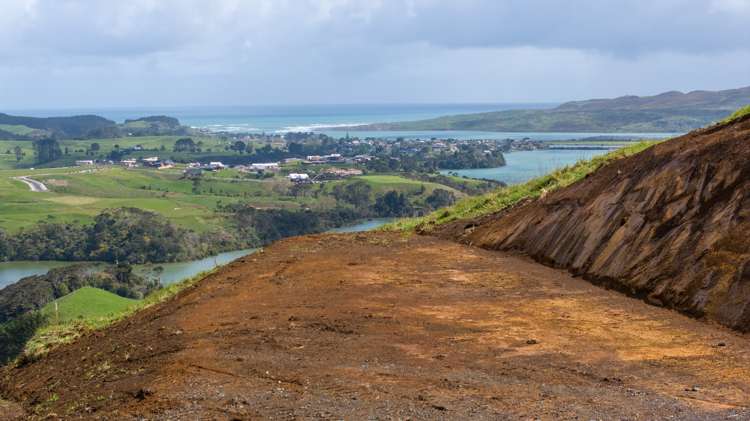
(365, 326)
(35, 186)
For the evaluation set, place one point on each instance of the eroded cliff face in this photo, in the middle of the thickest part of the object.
(670, 225)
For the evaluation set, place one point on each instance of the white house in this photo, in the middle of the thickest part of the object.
(84, 162)
(216, 165)
(268, 166)
(298, 178)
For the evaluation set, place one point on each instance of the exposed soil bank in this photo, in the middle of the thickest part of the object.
(373, 325)
(671, 225)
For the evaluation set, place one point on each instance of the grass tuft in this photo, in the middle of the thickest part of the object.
(737, 114)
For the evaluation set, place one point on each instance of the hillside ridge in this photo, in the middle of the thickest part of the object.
(669, 225)
(668, 112)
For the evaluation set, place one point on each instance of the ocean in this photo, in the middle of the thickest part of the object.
(322, 118)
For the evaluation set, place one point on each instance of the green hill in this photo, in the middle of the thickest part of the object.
(669, 112)
(87, 303)
(86, 127)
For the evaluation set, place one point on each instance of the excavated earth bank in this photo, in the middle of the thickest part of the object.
(670, 225)
(381, 326)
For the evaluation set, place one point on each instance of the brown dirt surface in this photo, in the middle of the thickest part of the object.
(381, 325)
(670, 225)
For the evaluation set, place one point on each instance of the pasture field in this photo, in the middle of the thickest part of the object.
(87, 303)
(81, 149)
(78, 194)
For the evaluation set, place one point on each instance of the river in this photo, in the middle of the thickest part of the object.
(11, 272)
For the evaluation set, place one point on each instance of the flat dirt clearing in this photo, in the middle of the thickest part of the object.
(379, 325)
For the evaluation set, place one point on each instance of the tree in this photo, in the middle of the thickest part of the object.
(47, 150)
(440, 198)
(95, 147)
(15, 334)
(185, 144)
(356, 194)
(19, 153)
(393, 204)
(239, 146)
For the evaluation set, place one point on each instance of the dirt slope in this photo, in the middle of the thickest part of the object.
(382, 326)
(670, 224)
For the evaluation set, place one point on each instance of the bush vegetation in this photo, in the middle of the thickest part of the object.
(34, 292)
(127, 235)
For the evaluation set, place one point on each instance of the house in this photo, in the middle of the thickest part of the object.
(298, 178)
(363, 158)
(166, 165)
(333, 157)
(292, 160)
(268, 166)
(129, 163)
(314, 158)
(215, 166)
(152, 161)
(84, 162)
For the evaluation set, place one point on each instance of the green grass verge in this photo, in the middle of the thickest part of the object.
(508, 196)
(738, 114)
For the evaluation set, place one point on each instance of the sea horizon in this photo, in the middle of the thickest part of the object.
(330, 119)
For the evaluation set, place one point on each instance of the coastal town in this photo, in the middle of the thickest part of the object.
(304, 158)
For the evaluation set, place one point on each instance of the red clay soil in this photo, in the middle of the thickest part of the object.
(383, 326)
(671, 225)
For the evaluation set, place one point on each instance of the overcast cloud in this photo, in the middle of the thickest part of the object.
(87, 53)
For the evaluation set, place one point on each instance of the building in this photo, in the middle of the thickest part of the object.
(166, 165)
(268, 166)
(321, 159)
(129, 163)
(84, 162)
(152, 161)
(216, 165)
(298, 178)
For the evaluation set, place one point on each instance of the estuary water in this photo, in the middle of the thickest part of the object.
(11, 272)
(524, 165)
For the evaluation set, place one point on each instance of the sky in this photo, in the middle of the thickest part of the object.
(138, 53)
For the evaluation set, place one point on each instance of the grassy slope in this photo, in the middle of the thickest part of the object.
(509, 196)
(17, 129)
(737, 114)
(79, 195)
(614, 121)
(8, 161)
(87, 303)
(106, 312)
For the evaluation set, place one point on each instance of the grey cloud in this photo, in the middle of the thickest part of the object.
(138, 52)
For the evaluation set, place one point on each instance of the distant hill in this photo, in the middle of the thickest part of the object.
(86, 127)
(64, 127)
(666, 112)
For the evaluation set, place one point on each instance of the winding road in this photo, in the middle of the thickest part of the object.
(35, 186)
